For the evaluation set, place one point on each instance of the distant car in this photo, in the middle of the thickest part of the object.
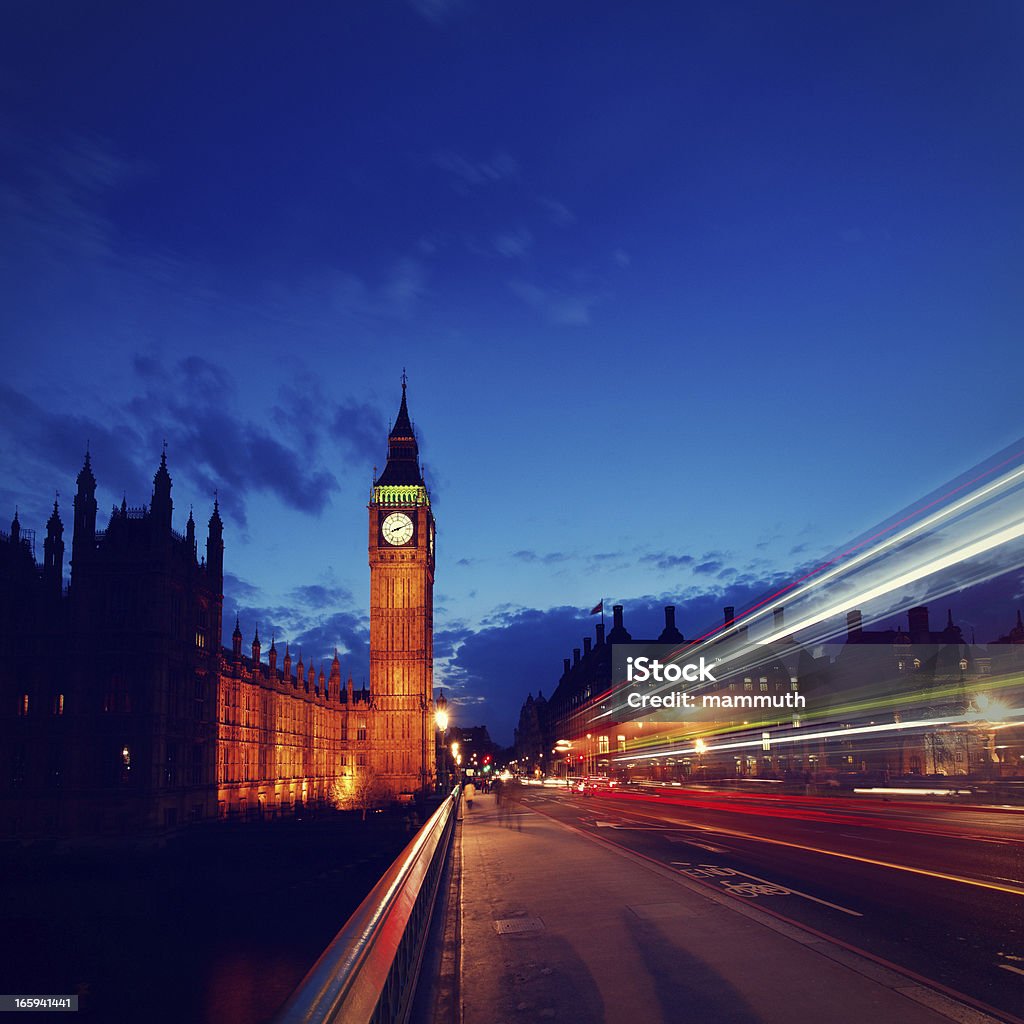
(594, 784)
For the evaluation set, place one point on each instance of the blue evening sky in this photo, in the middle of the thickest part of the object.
(688, 293)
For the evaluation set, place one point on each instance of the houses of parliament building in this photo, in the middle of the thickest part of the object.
(122, 714)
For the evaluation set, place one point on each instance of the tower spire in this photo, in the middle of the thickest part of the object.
(403, 466)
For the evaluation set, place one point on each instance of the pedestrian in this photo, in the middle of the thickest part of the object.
(469, 792)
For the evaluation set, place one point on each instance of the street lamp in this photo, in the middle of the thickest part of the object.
(441, 720)
(701, 747)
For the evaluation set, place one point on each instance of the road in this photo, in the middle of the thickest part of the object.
(937, 891)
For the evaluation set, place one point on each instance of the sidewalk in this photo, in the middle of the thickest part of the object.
(556, 926)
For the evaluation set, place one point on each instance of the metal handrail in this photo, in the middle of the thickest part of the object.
(367, 975)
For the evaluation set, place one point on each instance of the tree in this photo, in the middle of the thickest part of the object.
(362, 791)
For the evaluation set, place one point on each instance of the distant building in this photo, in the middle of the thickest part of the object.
(476, 748)
(874, 678)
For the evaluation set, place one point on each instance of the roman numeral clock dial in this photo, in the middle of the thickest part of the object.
(397, 529)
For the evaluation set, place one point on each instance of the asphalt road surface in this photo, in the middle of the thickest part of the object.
(937, 891)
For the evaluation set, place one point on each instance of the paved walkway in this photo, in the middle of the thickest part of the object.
(556, 926)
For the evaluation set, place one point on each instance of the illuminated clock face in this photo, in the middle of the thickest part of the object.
(397, 528)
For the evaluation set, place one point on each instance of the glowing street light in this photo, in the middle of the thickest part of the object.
(990, 709)
(441, 720)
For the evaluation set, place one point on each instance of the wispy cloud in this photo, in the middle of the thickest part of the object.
(57, 208)
(513, 244)
(551, 558)
(238, 591)
(317, 596)
(665, 560)
(464, 171)
(708, 568)
(394, 296)
(555, 307)
(437, 11)
(558, 213)
(360, 427)
(189, 403)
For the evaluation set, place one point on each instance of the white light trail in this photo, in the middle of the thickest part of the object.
(799, 737)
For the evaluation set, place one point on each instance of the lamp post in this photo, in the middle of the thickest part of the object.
(441, 719)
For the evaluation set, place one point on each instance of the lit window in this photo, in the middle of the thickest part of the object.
(23, 708)
(58, 704)
(622, 742)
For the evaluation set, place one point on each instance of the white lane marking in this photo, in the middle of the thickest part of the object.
(695, 842)
(1009, 967)
(751, 889)
(629, 828)
(808, 896)
(1014, 890)
(867, 839)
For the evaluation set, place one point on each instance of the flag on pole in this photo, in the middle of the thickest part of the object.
(598, 608)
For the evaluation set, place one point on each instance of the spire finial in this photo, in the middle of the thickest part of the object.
(405, 380)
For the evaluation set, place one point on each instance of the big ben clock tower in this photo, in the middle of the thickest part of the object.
(401, 547)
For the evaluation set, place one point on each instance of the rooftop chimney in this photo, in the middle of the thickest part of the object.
(919, 629)
(575, 656)
(730, 614)
(670, 635)
(618, 634)
(600, 633)
(779, 615)
(586, 646)
(854, 627)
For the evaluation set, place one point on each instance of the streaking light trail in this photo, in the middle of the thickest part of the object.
(972, 531)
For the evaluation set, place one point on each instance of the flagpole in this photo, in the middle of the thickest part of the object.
(602, 614)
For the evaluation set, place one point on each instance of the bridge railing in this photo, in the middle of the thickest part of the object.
(367, 975)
